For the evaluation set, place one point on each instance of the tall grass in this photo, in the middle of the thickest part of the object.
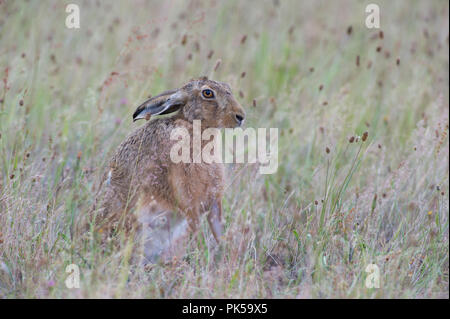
(307, 231)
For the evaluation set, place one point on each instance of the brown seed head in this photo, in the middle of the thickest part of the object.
(364, 136)
(349, 30)
(184, 40)
(291, 30)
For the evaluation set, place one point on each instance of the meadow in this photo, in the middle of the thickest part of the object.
(363, 167)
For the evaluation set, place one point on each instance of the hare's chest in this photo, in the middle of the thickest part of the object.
(197, 184)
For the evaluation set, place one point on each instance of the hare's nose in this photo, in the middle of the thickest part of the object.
(239, 118)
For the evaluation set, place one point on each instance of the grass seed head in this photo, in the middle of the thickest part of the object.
(291, 30)
(364, 136)
(218, 62)
(184, 40)
(349, 30)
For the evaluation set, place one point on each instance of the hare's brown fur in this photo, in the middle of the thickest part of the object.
(141, 174)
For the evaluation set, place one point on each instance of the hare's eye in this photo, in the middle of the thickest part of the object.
(207, 93)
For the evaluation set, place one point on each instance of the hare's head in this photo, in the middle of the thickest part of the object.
(200, 99)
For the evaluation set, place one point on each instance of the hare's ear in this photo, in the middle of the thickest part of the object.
(165, 103)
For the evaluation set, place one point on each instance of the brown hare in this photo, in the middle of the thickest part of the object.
(143, 187)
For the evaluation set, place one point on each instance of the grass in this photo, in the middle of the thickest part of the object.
(307, 231)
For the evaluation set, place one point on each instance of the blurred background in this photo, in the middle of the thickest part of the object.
(312, 69)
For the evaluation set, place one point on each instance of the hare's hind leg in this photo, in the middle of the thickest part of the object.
(107, 211)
